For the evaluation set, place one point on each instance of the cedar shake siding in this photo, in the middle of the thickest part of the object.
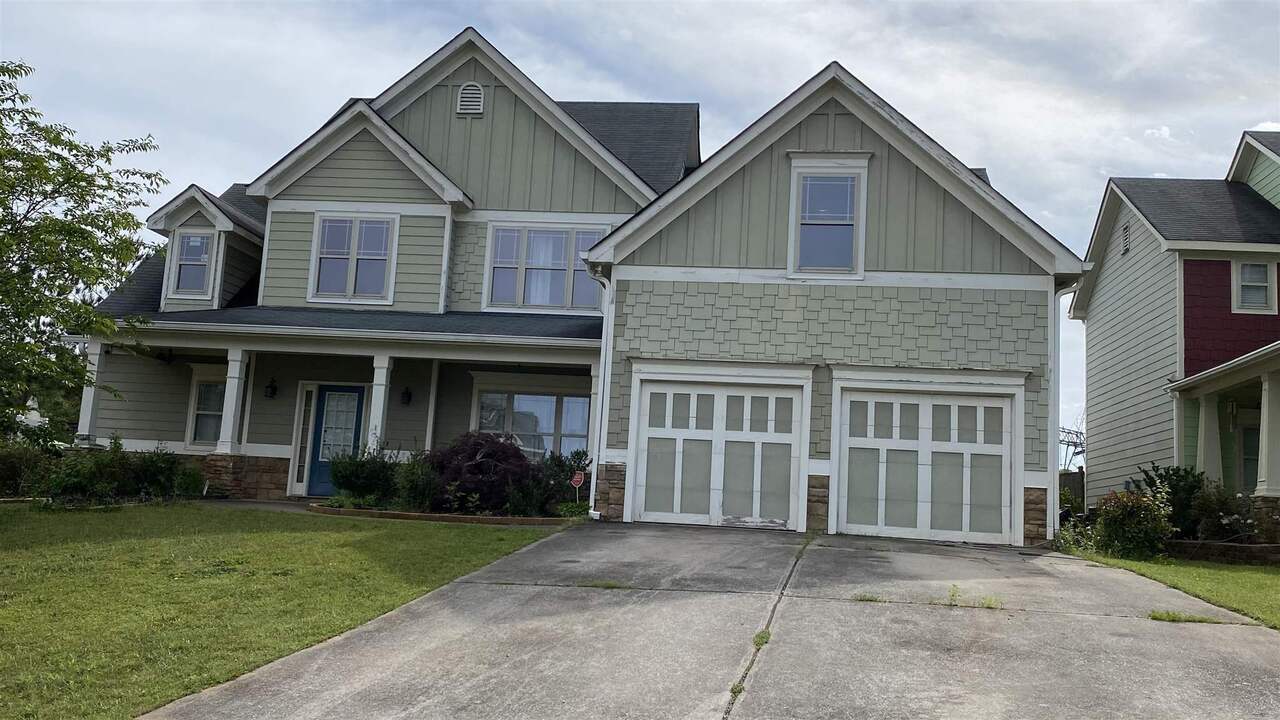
(1212, 333)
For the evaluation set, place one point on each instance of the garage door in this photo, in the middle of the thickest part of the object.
(925, 466)
(718, 455)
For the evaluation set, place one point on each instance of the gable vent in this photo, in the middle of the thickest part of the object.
(470, 99)
(1124, 239)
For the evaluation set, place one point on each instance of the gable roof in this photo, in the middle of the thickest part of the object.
(357, 116)
(1212, 211)
(224, 214)
(1252, 144)
(834, 81)
(470, 43)
(659, 141)
(1267, 139)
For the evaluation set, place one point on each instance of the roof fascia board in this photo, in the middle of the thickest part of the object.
(398, 96)
(1246, 155)
(157, 220)
(1103, 224)
(1261, 354)
(357, 118)
(365, 334)
(1232, 247)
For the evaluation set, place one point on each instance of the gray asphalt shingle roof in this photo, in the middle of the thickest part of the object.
(1269, 140)
(658, 141)
(1203, 210)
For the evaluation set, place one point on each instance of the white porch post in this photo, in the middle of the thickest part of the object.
(431, 403)
(232, 398)
(1269, 431)
(87, 429)
(378, 399)
(1209, 443)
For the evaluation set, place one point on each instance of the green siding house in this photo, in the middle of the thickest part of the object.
(831, 324)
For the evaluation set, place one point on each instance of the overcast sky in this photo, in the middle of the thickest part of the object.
(1052, 98)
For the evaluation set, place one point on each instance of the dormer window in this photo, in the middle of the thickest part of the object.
(470, 99)
(1253, 287)
(828, 215)
(191, 268)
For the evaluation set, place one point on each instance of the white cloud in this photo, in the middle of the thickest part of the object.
(1161, 132)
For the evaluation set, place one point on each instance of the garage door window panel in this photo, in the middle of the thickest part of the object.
(660, 468)
(695, 477)
(739, 478)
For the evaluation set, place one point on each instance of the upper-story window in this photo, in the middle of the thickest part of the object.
(1253, 287)
(828, 211)
(353, 259)
(191, 265)
(470, 99)
(539, 267)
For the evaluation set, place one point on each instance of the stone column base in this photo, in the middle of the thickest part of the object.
(611, 484)
(1035, 509)
(818, 502)
(1266, 516)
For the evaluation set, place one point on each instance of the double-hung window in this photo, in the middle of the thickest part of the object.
(191, 266)
(204, 419)
(539, 267)
(828, 208)
(541, 423)
(1254, 287)
(353, 259)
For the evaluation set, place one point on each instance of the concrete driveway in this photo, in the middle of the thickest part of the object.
(636, 621)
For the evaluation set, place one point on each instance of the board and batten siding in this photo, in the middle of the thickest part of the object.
(912, 224)
(1264, 177)
(361, 169)
(419, 259)
(1131, 354)
(507, 158)
(152, 400)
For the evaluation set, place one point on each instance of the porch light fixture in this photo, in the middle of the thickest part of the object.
(271, 389)
(406, 396)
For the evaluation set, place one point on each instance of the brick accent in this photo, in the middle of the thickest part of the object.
(611, 490)
(1035, 509)
(818, 498)
(1212, 333)
(247, 477)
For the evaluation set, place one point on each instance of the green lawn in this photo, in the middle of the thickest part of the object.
(1252, 590)
(108, 614)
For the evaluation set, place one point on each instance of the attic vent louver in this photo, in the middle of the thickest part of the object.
(1124, 239)
(470, 99)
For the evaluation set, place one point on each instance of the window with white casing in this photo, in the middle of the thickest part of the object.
(542, 423)
(352, 260)
(828, 215)
(191, 275)
(1253, 287)
(539, 266)
(204, 416)
(470, 99)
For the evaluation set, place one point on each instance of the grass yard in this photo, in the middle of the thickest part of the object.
(109, 614)
(1252, 590)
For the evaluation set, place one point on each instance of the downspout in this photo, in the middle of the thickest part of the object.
(1055, 411)
(597, 271)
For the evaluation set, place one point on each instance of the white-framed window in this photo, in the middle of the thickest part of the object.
(353, 258)
(1253, 287)
(539, 266)
(541, 422)
(828, 216)
(192, 268)
(204, 412)
(470, 99)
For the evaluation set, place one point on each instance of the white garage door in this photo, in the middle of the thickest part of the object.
(925, 466)
(718, 455)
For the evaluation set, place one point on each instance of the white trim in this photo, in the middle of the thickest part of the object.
(512, 384)
(213, 278)
(1238, 172)
(266, 450)
(1099, 240)
(1237, 281)
(87, 423)
(1212, 246)
(853, 166)
(1261, 354)
(432, 398)
(397, 97)
(303, 386)
(393, 247)
(446, 258)
(520, 267)
(266, 252)
(335, 333)
(879, 278)
(232, 399)
(603, 453)
(468, 109)
(820, 466)
(359, 117)
(363, 207)
(538, 216)
(160, 221)
(247, 411)
(205, 373)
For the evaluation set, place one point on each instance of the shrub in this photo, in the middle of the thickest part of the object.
(1068, 501)
(22, 467)
(370, 472)
(479, 471)
(1223, 515)
(418, 486)
(90, 476)
(573, 509)
(1181, 485)
(152, 474)
(189, 481)
(1133, 524)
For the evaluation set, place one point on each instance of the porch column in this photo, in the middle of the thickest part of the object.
(1209, 443)
(378, 399)
(87, 429)
(232, 398)
(1269, 432)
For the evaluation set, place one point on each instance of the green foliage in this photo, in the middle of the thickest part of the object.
(111, 475)
(22, 466)
(1181, 484)
(1067, 500)
(573, 509)
(1174, 616)
(1133, 524)
(68, 231)
(369, 472)
(418, 486)
(1075, 537)
(481, 472)
(1223, 515)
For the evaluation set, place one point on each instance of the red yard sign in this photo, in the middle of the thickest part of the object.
(578, 478)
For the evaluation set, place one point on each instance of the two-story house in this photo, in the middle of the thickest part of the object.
(830, 323)
(1182, 322)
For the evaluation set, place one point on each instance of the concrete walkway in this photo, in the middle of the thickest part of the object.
(612, 621)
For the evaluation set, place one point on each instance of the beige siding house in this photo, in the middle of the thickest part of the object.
(832, 324)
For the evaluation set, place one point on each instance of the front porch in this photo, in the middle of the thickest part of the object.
(265, 419)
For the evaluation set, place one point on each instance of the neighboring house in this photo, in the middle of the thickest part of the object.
(831, 306)
(1182, 325)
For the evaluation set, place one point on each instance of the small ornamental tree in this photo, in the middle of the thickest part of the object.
(67, 233)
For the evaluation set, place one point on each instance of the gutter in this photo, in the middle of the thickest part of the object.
(1261, 353)
(395, 336)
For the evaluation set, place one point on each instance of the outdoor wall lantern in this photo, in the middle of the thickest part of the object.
(271, 389)
(406, 396)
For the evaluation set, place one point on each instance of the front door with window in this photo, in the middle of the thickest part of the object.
(337, 431)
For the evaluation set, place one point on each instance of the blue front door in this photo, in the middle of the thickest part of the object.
(337, 431)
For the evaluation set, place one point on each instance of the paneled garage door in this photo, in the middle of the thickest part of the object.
(718, 455)
(925, 466)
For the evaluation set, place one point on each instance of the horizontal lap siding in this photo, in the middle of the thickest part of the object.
(419, 258)
(407, 424)
(912, 223)
(288, 259)
(240, 266)
(457, 389)
(833, 325)
(361, 169)
(152, 401)
(1131, 354)
(271, 419)
(1265, 178)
